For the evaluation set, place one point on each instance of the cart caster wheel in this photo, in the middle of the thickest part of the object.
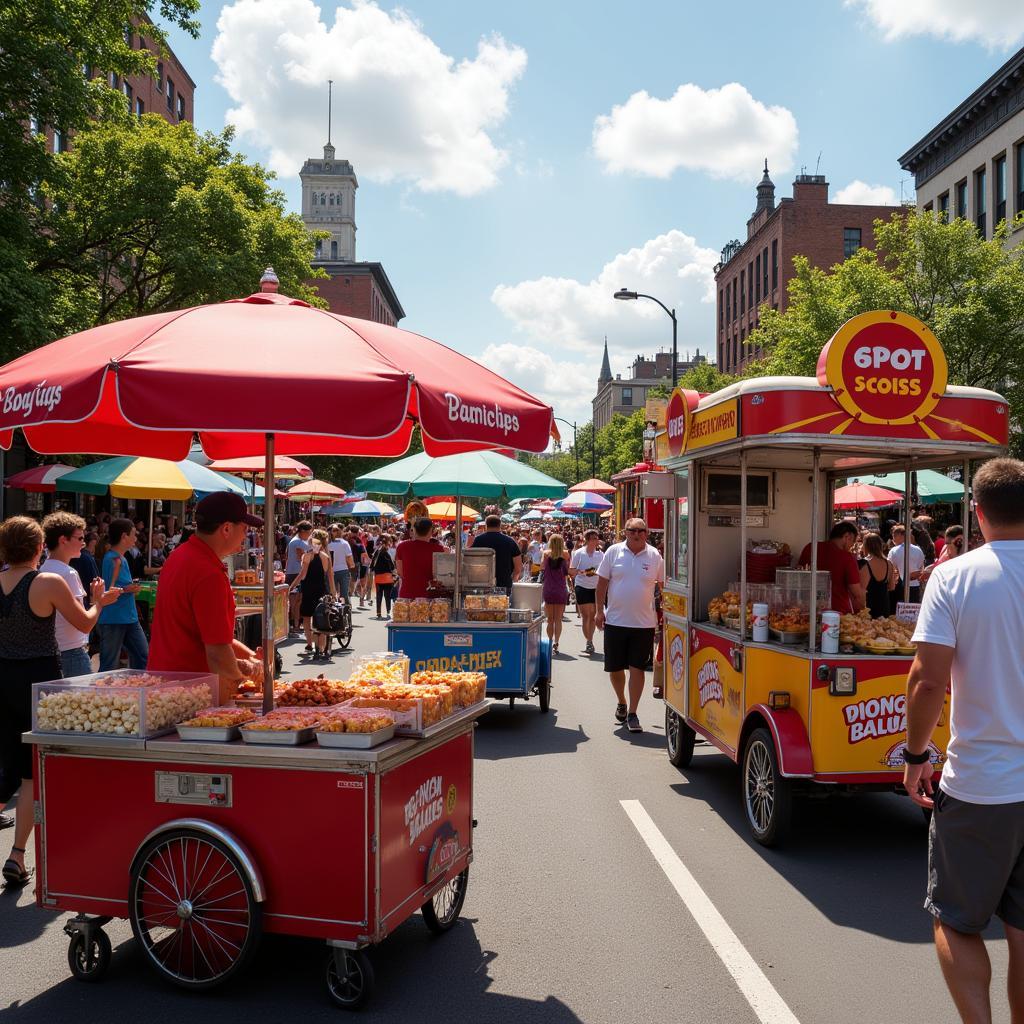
(443, 910)
(544, 692)
(349, 977)
(767, 796)
(679, 739)
(89, 960)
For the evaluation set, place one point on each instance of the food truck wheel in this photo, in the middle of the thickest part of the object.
(89, 958)
(192, 908)
(544, 692)
(767, 796)
(349, 977)
(679, 739)
(442, 911)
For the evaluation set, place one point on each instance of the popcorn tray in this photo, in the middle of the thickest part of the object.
(279, 737)
(882, 652)
(355, 740)
(210, 733)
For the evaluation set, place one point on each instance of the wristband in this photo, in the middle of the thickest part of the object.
(910, 758)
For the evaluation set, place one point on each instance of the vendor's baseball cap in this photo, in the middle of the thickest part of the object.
(224, 507)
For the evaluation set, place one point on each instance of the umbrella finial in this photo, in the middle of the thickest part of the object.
(269, 281)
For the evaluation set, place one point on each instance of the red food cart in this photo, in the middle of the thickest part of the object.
(360, 840)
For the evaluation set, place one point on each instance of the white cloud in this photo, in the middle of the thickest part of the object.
(563, 321)
(403, 110)
(724, 132)
(862, 194)
(998, 24)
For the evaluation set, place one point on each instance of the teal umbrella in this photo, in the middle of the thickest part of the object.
(471, 475)
(932, 486)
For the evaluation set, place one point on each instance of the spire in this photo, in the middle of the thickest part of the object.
(606, 369)
(765, 192)
(329, 149)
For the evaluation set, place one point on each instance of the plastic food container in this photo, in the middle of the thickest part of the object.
(381, 667)
(400, 610)
(139, 705)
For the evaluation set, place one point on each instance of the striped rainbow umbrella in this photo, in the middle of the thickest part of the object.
(127, 477)
(39, 479)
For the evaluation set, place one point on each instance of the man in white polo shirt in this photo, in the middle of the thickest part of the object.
(968, 636)
(629, 573)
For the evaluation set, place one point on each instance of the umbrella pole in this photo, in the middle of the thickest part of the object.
(458, 553)
(268, 578)
(149, 544)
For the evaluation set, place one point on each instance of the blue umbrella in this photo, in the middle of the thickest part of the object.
(359, 509)
(531, 516)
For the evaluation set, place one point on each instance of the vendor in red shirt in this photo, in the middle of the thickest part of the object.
(194, 624)
(414, 560)
(836, 556)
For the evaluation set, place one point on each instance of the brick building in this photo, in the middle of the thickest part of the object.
(971, 164)
(756, 272)
(355, 288)
(618, 397)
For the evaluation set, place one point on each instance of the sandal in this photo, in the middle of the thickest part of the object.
(14, 874)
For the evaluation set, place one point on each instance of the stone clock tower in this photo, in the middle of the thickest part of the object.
(329, 204)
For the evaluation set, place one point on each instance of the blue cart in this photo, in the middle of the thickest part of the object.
(515, 657)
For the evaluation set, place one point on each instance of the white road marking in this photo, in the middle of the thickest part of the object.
(766, 1003)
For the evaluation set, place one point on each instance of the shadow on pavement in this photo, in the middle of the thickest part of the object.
(418, 978)
(861, 859)
(523, 731)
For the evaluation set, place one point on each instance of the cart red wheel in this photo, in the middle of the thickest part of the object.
(767, 796)
(679, 739)
(89, 959)
(442, 911)
(192, 908)
(544, 692)
(349, 977)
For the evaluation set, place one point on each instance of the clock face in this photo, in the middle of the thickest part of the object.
(327, 167)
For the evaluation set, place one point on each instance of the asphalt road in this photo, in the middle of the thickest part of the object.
(568, 916)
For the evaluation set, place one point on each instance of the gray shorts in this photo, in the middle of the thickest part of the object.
(975, 863)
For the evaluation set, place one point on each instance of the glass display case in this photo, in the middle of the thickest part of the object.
(486, 606)
(381, 667)
(137, 705)
(789, 615)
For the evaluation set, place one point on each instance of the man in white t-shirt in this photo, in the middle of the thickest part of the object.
(586, 560)
(64, 535)
(896, 557)
(342, 562)
(629, 573)
(969, 636)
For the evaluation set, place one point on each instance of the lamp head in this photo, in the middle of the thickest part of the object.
(624, 293)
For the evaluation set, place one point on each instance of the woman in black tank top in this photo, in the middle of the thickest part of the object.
(29, 601)
(877, 576)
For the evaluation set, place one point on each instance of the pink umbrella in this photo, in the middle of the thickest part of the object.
(315, 490)
(40, 479)
(858, 495)
(285, 467)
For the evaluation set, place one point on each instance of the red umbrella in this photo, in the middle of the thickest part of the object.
(593, 485)
(40, 479)
(262, 373)
(858, 495)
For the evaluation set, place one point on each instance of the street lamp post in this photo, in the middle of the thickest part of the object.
(628, 296)
(575, 449)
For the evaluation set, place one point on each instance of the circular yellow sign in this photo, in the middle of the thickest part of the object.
(885, 367)
(450, 799)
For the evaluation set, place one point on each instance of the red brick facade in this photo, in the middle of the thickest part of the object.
(758, 272)
(360, 290)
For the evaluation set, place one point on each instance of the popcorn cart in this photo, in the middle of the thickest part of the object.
(756, 465)
(320, 823)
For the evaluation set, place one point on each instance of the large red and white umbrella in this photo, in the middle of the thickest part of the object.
(40, 479)
(858, 495)
(264, 373)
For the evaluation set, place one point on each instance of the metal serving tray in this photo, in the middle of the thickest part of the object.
(785, 637)
(355, 740)
(210, 733)
(279, 737)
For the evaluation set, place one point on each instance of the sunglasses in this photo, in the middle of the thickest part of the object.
(634, 529)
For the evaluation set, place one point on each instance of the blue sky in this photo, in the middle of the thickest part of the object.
(518, 162)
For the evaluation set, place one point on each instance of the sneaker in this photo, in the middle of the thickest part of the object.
(309, 648)
(620, 712)
(6, 821)
(633, 723)
(590, 647)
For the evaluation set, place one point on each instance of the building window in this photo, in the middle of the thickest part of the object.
(750, 285)
(927, 207)
(315, 198)
(721, 311)
(757, 279)
(627, 396)
(87, 72)
(1019, 171)
(319, 248)
(59, 144)
(114, 81)
(944, 206)
(851, 241)
(129, 93)
(999, 181)
(764, 272)
(33, 124)
(140, 107)
(743, 292)
(980, 205)
(961, 198)
(170, 93)
(181, 107)
(735, 307)
(128, 36)
(334, 250)
(160, 76)
(323, 198)
(775, 263)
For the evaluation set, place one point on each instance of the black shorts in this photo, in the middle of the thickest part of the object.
(975, 863)
(627, 647)
(585, 595)
(16, 679)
